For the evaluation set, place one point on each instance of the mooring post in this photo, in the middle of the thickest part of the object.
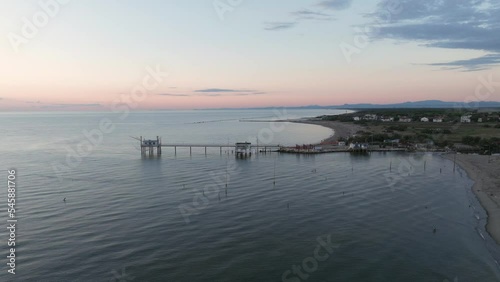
(158, 149)
(205, 151)
(455, 162)
(175, 150)
(142, 148)
(190, 151)
(221, 151)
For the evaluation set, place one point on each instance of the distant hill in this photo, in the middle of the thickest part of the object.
(422, 104)
(429, 104)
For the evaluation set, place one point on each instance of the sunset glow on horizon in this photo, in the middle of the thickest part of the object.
(86, 55)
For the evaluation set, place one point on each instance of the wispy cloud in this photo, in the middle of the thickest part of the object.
(309, 14)
(474, 64)
(70, 105)
(250, 94)
(216, 92)
(174, 95)
(306, 14)
(335, 4)
(451, 24)
(221, 90)
(279, 25)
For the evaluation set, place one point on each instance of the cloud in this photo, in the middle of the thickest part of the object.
(473, 64)
(74, 105)
(221, 90)
(250, 94)
(451, 24)
(312, 15)
(336, 4)
(174, 95)
(279, 25)
(58, 106)
(78, 105)
(308, 14)
(216, 92)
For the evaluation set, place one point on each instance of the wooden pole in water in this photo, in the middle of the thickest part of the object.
(454, 162)
(227, 178)
(390, 167)
(274, 177)
(158, 148)
(425, 165)
(190, 151)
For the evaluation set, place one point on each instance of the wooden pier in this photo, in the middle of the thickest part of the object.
(263, 149)
(245, 149)
(240, 149)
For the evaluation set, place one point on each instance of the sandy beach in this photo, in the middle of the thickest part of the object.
(485, 171)
(342, 129)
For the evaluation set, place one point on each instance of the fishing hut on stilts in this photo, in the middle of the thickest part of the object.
(149, 146)
(243, 149)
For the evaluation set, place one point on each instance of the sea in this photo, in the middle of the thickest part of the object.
(90, 207)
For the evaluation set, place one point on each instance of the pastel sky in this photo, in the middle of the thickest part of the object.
(84, 55)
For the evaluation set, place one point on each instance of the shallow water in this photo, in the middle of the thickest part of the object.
(149, 219)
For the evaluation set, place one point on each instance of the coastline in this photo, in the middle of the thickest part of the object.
(341, 129)
(485, 173)
(483, 170)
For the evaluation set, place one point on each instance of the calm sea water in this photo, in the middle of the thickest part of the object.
(128, 218)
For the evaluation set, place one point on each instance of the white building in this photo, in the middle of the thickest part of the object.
(437, 119)
(424, 119)
(370, 117)
(405, 119)
(356, 118)
(466, 119)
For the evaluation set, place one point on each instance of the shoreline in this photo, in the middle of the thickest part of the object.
(483, 170)
(486, 186)
(340, 129)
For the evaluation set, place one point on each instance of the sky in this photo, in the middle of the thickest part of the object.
(92, 55)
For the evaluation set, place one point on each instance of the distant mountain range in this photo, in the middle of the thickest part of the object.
(422, 104)
(429, 104)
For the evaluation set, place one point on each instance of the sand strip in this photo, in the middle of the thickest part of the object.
(342, 129)
(485, 171)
